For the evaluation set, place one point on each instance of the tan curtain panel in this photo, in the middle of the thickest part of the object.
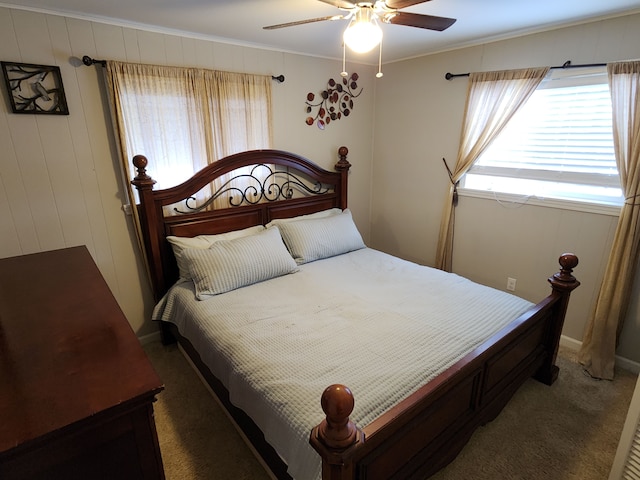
(597, 353)
(492, 99)
(182, 119)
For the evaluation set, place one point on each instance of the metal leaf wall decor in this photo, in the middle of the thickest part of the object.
(334, 103)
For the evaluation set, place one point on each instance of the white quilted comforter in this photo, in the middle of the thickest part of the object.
(364, 319)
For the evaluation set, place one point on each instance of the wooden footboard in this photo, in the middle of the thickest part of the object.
(428, 429)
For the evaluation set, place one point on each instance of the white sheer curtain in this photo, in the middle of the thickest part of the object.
(182, 119)
(492, 99)
(598, 350)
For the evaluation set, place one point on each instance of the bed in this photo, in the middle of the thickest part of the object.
(335, 360)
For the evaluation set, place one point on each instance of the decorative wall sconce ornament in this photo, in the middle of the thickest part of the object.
(35, 88)
(335, 102)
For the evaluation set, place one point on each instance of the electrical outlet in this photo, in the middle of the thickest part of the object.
(511, 284)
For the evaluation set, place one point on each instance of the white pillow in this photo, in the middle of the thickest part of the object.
(316, 238)
(230, 264)
(179, 244)
(321, 214)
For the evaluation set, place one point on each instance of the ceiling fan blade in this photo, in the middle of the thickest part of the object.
(398, 4)
(340, 4)
(420, 21)
(302, 22)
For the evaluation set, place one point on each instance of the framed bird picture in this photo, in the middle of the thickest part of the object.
(35, 88)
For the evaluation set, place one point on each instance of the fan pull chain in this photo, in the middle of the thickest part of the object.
(380, 74)
(344, 61)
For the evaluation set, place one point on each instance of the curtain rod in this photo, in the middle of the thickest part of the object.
(88, 61)
(566, 64)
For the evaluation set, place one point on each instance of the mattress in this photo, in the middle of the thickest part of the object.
(378, 324)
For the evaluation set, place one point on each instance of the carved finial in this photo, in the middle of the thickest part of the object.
(343, 163)
(140, 162)
(337, 431)
(568, 261)
(142, 179)
(564, 279)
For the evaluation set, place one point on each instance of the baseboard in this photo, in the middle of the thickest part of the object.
(622, 362)
(570, 343)
(150, 338)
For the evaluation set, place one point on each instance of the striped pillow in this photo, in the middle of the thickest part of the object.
(180, 244)
(231, 264)
(314, 239)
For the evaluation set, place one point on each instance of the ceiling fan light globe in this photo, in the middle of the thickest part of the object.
(362, 37)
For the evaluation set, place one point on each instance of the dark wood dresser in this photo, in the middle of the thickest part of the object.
(76, 388)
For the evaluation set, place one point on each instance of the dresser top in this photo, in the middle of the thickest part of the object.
(67, 352)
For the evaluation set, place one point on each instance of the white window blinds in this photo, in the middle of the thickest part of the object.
(560, 143)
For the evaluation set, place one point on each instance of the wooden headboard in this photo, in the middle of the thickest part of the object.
(294, 186)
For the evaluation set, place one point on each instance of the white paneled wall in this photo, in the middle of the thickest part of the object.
(60, 181)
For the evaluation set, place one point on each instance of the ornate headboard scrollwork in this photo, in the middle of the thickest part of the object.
(262, 183)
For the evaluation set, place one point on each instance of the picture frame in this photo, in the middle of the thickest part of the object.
(35, 89)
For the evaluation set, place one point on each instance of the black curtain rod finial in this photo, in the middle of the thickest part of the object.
(451, 76)
(279, 78)
(88, 61)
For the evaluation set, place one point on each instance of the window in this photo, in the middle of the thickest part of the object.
(162, 127)
(181, 119)
(559, 145)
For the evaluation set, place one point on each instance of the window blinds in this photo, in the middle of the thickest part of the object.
(562, 134)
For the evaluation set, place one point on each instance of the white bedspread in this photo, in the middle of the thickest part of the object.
(364, 319)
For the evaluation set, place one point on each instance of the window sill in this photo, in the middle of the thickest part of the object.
(513, 201)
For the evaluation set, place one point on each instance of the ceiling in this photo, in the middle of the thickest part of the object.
(241, 21)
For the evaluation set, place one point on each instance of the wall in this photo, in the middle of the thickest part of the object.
(421, 123)
(60, 181)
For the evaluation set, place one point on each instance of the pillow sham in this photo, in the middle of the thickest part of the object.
(230, 264)
(180, 244)
(317, 238)
(321, 214)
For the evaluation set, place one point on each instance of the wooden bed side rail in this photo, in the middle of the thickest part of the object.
(428, 429)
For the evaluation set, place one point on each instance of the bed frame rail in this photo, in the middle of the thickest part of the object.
(425, 432)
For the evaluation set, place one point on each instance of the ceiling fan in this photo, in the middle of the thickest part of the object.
(368, 13)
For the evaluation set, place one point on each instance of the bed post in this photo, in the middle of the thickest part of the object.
(562, 284)
(336, 436)
(148, 216)
(343, 167)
